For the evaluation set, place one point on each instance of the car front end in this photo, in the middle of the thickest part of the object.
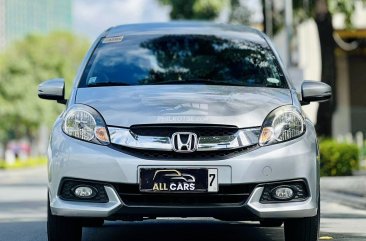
(165, 123)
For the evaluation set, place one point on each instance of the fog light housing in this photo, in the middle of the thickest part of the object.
(84, 192)
(298, 193)
(68, 186)
(282, 193)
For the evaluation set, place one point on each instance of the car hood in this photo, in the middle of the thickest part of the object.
(182, 104)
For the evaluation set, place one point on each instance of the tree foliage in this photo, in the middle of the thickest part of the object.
(345, 7)
(305, 9)
(240, 13)
(195, 9)
(209, 10)
(23, 66)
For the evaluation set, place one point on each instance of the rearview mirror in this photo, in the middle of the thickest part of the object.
(53, 89)
(315, 91)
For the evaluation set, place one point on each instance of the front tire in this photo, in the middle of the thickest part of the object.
(62, 228)
(303, 229)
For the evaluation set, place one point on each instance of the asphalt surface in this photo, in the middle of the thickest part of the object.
(349, 190)
(23, 218)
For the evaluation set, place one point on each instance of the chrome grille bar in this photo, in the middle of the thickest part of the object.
(242, 138)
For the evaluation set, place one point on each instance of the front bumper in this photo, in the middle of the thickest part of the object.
(290, 160)
(252, 209)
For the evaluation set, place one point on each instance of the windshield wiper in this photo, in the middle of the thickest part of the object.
(107, 83)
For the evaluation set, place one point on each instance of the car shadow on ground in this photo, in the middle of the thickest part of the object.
(161, 230)
(182, 230)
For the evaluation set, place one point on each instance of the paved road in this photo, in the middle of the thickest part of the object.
(23, 209)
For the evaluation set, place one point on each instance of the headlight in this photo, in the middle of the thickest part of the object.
(84, 123)
(282, 124)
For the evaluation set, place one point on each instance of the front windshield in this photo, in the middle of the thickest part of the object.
(182, 59)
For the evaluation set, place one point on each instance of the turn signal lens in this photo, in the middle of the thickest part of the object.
(101, 134)
(266, 135)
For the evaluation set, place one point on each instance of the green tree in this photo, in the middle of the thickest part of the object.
(208, 10)
(25, 64)
(195, 9)
(239, 13)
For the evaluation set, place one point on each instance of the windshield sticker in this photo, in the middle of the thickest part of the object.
(92, 80)
(273, 80)
(112, 39)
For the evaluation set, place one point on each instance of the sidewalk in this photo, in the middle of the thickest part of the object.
(32, 175)
(350, 190)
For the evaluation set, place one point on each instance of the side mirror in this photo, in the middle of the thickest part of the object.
(53, 89)
(315, 91)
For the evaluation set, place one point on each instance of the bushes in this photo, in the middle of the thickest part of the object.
(338, 159)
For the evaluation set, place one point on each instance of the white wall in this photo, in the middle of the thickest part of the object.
(308, 56)
(310, 59)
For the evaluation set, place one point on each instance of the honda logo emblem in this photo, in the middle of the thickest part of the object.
(184, 141)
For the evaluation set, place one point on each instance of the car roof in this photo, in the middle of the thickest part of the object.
(188, 27)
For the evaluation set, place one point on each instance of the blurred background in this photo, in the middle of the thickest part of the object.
(317, 40)
(322, 40)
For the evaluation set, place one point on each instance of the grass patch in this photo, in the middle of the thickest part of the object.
(30, 162)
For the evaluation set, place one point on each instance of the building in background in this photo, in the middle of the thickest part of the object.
(350, 115)
(20, 17)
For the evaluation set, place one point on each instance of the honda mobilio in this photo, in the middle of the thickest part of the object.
(183, 120)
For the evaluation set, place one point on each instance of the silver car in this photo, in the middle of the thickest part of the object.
(183, 120)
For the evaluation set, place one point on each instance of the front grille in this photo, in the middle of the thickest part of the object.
(228, 195)
(211, 151)
(169, 130)
(170, 155)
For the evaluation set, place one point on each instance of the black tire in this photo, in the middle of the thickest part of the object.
(271, 223)
(62, 228)
(303, 229)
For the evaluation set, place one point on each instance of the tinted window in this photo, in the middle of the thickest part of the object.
(182, 59)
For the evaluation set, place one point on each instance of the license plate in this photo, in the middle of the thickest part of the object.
(170, 180)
